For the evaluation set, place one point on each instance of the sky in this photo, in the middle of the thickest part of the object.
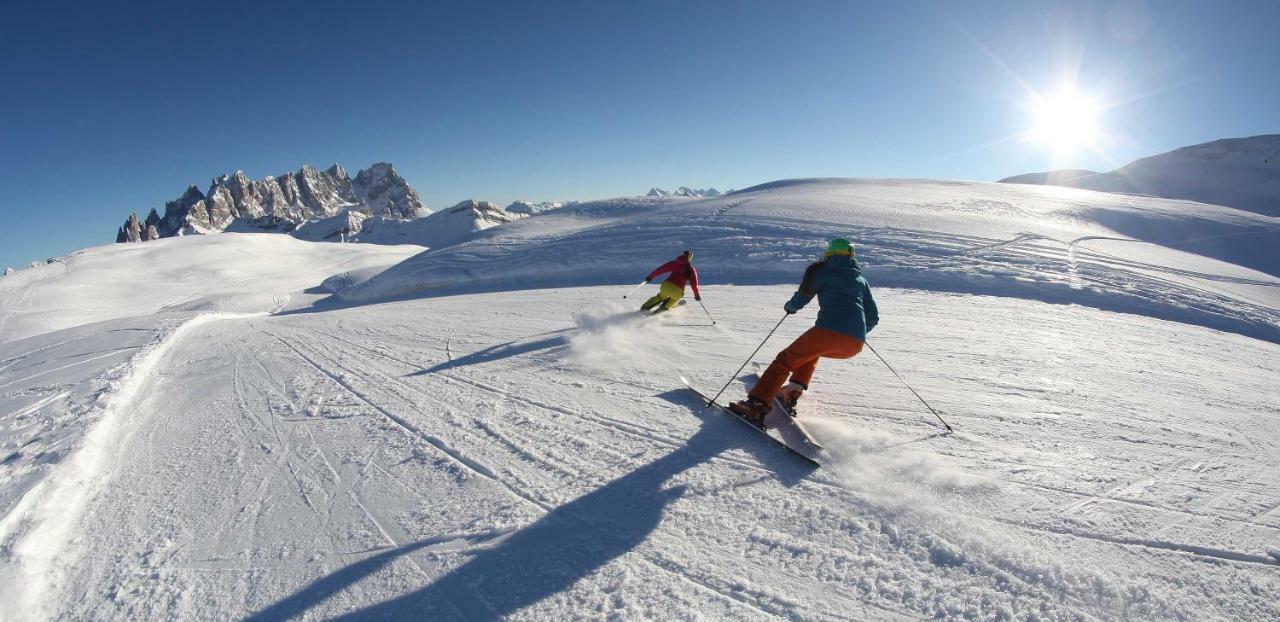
(113, 109)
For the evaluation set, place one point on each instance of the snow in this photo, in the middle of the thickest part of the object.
(232, 272)
(1057, 178)
(188, 432)
(527, 208)
(1054, 244)
(337, 228)
(1238, 172)
(439, 229)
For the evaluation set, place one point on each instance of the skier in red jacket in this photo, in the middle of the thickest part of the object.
(679, 271)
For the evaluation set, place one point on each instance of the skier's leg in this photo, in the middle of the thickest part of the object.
(672, 293)
(652, 302)
(803, 352)
(830, 344)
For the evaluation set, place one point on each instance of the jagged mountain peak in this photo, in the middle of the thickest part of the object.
(281, 203)
(684, 191)
(337, 172)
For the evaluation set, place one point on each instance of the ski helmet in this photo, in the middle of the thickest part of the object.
(839, 246)
(688, 255)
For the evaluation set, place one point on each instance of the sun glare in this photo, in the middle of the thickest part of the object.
(1065, 120)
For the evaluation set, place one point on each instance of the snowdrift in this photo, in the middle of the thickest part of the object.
(1190, 262)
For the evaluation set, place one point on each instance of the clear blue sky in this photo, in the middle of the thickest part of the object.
(111, 109)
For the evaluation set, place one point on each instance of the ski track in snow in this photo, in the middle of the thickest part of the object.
(350, 464)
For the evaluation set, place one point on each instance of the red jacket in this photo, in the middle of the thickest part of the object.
(682, 272)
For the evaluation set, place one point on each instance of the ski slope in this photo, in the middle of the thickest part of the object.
(223, 444)
(1196, 263)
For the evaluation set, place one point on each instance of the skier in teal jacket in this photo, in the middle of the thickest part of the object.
(847, 312)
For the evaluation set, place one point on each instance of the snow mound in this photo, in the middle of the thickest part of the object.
(1178, 260)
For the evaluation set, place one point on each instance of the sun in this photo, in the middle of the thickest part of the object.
(1065, 120)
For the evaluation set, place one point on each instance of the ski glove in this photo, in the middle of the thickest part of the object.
(648, 279)
(698, 297)
(789, 309)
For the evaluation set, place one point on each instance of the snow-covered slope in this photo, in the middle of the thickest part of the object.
(236, 272)
(1054, 178)
(527, 208)
(529, 454)
(340, 227)
(169, 450)
(1243, 173)
(439, 229)
(1197, 263)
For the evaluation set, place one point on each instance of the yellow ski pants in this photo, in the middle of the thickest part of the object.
(668, 295)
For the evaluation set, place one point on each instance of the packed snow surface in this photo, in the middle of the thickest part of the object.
(201, 439)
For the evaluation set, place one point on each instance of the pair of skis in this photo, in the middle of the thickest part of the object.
(780, 427)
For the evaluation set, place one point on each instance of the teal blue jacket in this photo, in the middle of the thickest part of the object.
(845, 304)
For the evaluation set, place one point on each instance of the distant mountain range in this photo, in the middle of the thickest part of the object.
(278, 203)
(685, 191)
(1243, 173)
(377, 206)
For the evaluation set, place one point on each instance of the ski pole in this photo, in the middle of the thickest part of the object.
(895, 372)
(633, 290)
(744, 363)
(704, 308)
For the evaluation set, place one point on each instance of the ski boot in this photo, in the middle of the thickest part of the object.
(751, 409)
(789, 396)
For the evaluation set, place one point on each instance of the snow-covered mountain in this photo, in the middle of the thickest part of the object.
(684, 191)
(342, 227)
(189, 429)
(439, 229)
(1243, 173)
(234, 202)
(1052, 178)
(527, 208)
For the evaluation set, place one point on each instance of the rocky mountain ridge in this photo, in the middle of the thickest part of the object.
(278, 203)
(685, 191)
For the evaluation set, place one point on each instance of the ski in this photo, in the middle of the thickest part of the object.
(794, 439)
(791, 425)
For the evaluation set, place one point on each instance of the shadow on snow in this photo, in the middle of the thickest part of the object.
(564, 546)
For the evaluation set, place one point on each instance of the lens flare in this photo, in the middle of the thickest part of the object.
(1065, 121)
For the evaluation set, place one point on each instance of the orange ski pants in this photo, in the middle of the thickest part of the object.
(797, 362)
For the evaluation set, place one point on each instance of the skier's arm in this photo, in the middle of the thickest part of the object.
(808, 289)
(693, 282)
(663, 269)
(869, 309)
